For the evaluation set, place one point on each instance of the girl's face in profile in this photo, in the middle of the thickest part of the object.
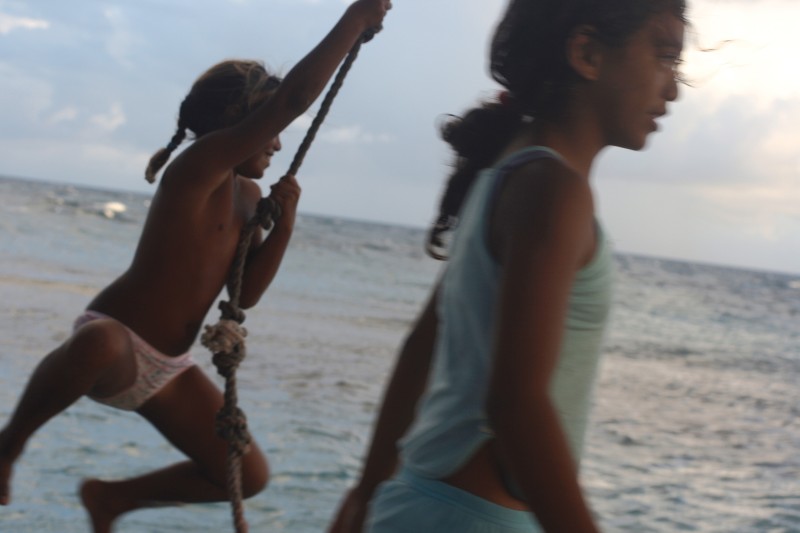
(255, 166)
(638, 79)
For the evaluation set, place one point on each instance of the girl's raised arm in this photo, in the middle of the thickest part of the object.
(214, 154)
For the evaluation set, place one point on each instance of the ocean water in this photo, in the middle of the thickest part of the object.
(696, 425)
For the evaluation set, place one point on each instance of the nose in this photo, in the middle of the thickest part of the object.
(671, 92)
(276, 143)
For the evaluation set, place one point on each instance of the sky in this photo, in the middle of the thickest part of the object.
(90, 89)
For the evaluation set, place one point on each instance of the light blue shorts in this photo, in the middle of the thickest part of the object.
(408, 503)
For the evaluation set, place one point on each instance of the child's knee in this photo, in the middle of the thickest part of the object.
(255, 473)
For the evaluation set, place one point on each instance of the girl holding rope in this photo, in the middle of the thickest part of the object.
(129, 349)
(482, 424)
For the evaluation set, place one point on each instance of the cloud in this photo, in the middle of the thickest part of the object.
(110, 121)
(721, 175)
(64, 115)
(8, 23)
(122, 42)
(105, 154)
(708, 223)
(24, 99)
(301, 123)
(730, 144)
(760, 45)
(762, 202)
(340, 135)
(79, 161)
(354, 134)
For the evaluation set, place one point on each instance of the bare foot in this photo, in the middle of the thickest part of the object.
(8, 455)
(101, 505)
(5, 481)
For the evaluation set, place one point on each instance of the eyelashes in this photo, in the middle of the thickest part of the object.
(674, 63)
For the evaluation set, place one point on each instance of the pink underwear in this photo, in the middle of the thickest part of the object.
(153, 369)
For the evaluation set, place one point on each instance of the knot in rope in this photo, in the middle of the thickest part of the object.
(267, 211)
(231, 312)
(231, 425)
(228, 362)
(226, 336)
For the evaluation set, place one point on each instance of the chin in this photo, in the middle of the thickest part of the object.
(631, 144)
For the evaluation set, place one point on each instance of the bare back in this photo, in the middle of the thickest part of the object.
(182, 260)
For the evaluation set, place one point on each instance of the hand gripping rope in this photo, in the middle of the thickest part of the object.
(226, 338)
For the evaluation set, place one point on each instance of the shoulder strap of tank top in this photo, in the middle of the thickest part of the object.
(516, 160)
(526, 155)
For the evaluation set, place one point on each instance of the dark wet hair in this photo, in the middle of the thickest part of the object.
(221, 97)
(527, 57)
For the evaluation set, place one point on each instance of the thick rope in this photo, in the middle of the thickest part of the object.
(226, 338)
(326, 103)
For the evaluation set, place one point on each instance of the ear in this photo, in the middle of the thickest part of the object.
(584, 52)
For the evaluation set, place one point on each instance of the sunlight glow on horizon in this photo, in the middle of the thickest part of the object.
(752, 51)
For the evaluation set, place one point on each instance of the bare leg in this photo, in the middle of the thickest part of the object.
(96, 359)
(184, 412)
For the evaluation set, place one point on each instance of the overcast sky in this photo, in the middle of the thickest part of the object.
(90, 89)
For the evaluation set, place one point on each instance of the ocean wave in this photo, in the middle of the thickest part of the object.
(113, 209)
(694, 428)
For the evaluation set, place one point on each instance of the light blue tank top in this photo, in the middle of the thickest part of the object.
(451, 423)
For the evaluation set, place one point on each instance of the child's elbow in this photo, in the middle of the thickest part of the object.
(248, 301)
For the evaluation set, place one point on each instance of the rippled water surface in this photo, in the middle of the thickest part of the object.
(695, 426)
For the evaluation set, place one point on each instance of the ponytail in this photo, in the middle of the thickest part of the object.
(477, 139)
(161, 157)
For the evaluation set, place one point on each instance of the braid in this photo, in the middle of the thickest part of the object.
(161, 157)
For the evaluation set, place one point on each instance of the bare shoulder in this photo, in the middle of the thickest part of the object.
(250, 190)
(543, 203)
(189, 174)
(546, 184)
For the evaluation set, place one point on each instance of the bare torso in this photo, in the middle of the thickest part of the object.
(181, 263)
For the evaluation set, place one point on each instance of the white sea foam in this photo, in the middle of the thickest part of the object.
(112, 209)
